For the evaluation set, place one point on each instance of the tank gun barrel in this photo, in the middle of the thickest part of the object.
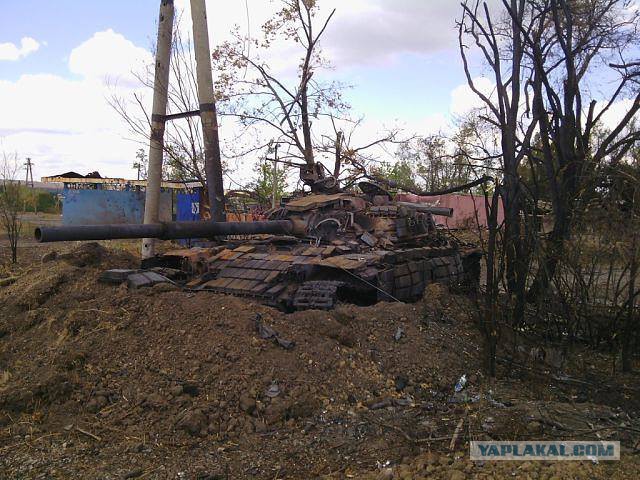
(163, 231)
(426, 208)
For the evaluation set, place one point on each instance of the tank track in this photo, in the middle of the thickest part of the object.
(317, 295)
(407, 281)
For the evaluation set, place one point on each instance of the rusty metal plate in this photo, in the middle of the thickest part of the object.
(328, 251)
(271, 277)
(276, 289)
(245, 248)
(343, 261)
(310, 202)
(218, 283)
(313, 251)
(231, 272)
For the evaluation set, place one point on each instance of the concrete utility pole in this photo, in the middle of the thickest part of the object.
(208, 116)
(156, 145)
(274, 180)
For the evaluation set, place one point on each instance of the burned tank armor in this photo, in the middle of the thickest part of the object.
(312, 252)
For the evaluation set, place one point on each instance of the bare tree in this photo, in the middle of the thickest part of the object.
(351, 160)
(447, 161)
(264, 97)
(572, 39)
(301, 111)
(545, 58)
(10, 201)
(183, 146)
(502, 47)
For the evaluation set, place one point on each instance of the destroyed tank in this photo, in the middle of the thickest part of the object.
(311, 252)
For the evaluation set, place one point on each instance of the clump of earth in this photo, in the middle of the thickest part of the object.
(99, 381)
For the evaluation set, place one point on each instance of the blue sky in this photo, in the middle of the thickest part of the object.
(413, 86)
(60, 63)
(65, 24)
(399, 55)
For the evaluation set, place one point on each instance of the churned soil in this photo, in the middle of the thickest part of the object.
(99, 381)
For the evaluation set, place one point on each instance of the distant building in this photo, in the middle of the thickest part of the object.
(92, 200)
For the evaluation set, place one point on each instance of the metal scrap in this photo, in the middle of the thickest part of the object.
(399, 334)
(145, 279)
(316, 251)
(273, 391)
(267, 333)
(116, 276)
(369, 239)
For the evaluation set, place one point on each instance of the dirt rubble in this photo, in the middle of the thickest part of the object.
(98, 381)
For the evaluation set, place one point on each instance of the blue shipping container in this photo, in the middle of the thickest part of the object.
(94, 207)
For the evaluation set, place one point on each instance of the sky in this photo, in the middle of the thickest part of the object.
(60, 62)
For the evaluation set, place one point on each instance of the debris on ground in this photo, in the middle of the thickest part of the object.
(102, 381)
(145, 279)
(267, 333)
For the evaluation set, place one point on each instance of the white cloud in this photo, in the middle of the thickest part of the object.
(67, 124)
(12, 52)
(614, 115)
(379, 30)
(464, 100)
(64, 125)
(108, 57)
(360, 32)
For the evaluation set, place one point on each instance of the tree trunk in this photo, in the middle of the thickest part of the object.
(338, 164)
(489, 321)
(628, 327)
(516, 256)
(563, 204)
(306, 126)
(14, 251)
(549, 262)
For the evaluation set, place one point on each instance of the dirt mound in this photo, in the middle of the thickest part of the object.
(91, 253)
(102, 381)
(29, 292)
(70, 273)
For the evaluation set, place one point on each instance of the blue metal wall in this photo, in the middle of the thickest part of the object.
(188, 206)
(188, 210)
(92, 207)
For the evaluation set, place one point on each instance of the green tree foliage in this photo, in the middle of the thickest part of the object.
(403, 172)
(288, 107)
(34, 200)
(263, 185)
(437, 162)
(141, 164)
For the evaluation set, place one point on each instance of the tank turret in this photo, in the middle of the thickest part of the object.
(356, 246)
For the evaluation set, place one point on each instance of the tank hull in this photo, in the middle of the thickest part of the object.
(298, 277)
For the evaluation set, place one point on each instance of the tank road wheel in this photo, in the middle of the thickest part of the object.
(319, 295)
